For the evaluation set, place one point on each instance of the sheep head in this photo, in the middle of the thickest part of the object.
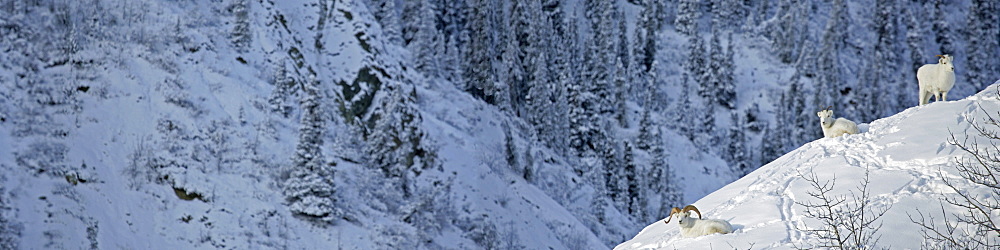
(673, 211)
(946, 60)
(826, 116)
(690, 208)
(683, 214)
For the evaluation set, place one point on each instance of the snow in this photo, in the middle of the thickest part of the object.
(172, 62)
(908, 159)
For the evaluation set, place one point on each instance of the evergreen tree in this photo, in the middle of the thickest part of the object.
(522, 52)
(664, 181)
(241, 35)
(790, 30)
(803, 119)
(772, 147)
(887, 62)
(566, 77)
(410, 19)
(736, 148)
(636, 200)
(688, 13)
(590, 100)
(425, 43)
(983, 43)
(828, 64)
(915, 43)
(644, 48)
(622, 85)
(727, 14)
(388, 17)
(479, 54)
(452, 22)
(720, 73)
(697, 67)
(701, 116)
(284, 86)
(686, 110)
(310, 188)
(646, 129)
(614, 179)
(942, 29)
(396, 144)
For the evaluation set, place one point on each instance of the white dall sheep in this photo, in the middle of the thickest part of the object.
(936, 79)
(835, 127)
(694, 227)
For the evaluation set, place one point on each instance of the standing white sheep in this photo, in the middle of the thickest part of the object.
(835, 127)
(936, 79)
(691, 227)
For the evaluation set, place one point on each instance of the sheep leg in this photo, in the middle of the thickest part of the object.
(923, 97)
(937, 97)
(944, 96)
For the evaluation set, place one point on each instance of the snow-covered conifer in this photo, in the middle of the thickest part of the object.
(828, 66)
(942, 28)
(480, 52)
(396, 144)
(241, 35)
(310, 188)
(688, 13)
(983, 29)
(425, 43)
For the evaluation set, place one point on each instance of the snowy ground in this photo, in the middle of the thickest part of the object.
(907, 156)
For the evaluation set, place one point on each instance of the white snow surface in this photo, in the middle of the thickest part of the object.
(907, 155)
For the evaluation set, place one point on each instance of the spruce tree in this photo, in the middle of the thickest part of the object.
(425, 43)
(635, 199)
(388, 17)
(828, 64)
(942, 29)
(887, 64)
(983, 43)
(688, 13)
(664, 181)
(241, 35)
(310, 188)
(480, 52)
(397, 147)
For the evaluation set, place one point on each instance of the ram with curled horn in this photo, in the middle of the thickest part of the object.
(694, 227)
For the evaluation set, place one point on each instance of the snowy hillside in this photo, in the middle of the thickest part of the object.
(428, 124)
(907, 158)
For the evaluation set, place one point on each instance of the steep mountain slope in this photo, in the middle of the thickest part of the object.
(907, 158)
(144, 124)
(167, 125)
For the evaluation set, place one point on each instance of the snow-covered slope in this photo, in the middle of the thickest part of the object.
(906, 155)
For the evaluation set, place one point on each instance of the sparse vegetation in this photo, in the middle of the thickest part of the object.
(976, 226)
(847, 222)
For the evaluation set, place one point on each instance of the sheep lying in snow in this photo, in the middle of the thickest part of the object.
(936, 79)
(833, 128)
(691, 227)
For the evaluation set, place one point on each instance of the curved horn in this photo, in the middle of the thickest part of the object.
(829, 107)
(940, 56)
(672, 212)
(690, 208)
